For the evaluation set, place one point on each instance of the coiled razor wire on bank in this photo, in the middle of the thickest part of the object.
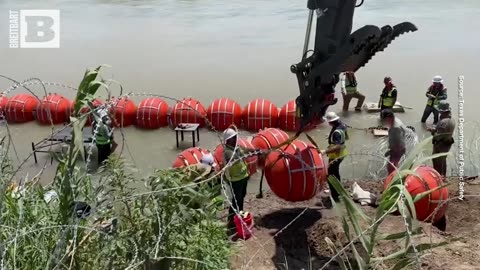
(375, 167)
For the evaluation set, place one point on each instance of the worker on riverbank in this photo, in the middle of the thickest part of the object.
(336, 150)
(236, 172)
(103, 131)
(349, 88)
(396, 139)
(388, 98)
(435, 93)
(442, 137)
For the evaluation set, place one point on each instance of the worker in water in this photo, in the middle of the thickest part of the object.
(388, 98)
(442, 137)
(435, 93)
(336, 150)
(396, 139)
(348, 85)
(102, 128)
(236, 172)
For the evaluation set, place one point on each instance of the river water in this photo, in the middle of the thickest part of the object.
(242, 50)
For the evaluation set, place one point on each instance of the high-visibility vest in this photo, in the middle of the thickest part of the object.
(350, 83)
(102, 137)
(435, 101)
(387, 100)
(238, 170)
(343, 152)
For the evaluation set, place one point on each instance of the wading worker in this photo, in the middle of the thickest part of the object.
(348, 84)
(442, 137)
(103, 136)
(336, 150)
(396, 139)
(388, 98)
(435, 93)
(236, 172)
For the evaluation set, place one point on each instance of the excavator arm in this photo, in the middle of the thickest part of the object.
(336, 50)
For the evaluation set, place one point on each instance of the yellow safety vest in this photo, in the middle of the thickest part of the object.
(350, 87)
(102, 137)
(433, 102)
(239, 169)
(343, 152)
(387, 100)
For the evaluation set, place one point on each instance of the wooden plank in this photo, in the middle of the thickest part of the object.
(380, 132)
(372, 107)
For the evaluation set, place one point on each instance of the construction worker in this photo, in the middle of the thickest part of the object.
(103, 131)
(336, 150)
(348, 84)
(435, 93)
(388, 98)
(396, 139)
(236, 172)
(442, 137)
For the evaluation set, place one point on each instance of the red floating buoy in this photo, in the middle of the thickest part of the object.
(124, 111)
(251, 161)
(267, 139)
(190, 156)
(224, 112)
(430, 179)
(85, 110)
(54, 109)
(259, 114)
(20, 108)
(188, 110)
(295, 173)
(287, 117)
(3, 106)
(152, 113)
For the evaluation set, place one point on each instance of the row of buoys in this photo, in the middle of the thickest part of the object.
(296, 172)
(154, 112)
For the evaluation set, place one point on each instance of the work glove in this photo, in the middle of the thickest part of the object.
(322, 152)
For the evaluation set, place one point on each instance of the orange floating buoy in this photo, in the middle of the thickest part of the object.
(287, 117)
(224, 112)
(86, 110)
(152, 113)
(296, 172)
(267, 139)
(124, 111)
(430, 179)
(3, 106)
(190, 156)
(259, 114)
(20, 108)
(54, 109)
(188, 110)
(242, 142)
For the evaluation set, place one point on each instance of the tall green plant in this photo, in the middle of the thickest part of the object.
(394, 198)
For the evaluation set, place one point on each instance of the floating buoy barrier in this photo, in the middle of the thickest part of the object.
(260, 114)
(429, 179)
(188, 110)
(3, 106)
(190, 156)
(85, 110)
(152, 113)
(21, 108)
(124, 110)
(224, 112)
(242, 142)
(53, 109)
(295, 173)
(267, 139)
(287, 117)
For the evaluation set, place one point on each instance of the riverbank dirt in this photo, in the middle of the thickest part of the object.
(301, 244)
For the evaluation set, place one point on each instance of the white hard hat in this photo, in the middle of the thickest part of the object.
(331, 116)
(208, 159)
(229, 133)
(437, 79)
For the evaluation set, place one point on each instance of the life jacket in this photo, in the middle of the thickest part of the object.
(350, 83)
(238, 170)
(102, 136)
(342, 131)
(387, 97)
(436, 91)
